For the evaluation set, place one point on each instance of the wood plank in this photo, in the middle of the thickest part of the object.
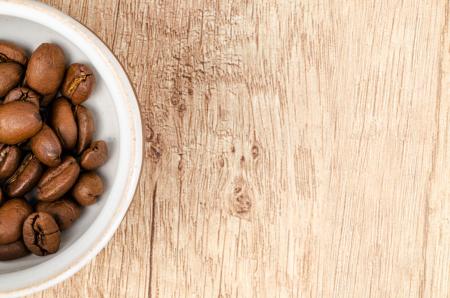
(293, 149)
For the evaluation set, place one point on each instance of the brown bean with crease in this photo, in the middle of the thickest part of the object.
(10, 76)
(41, 234)
(88, 188)
(19, 121)
(22, 94)
(45, 70)
(12, 215)
(63, 122)
(86, 128)
(78, 83)
(9, 160)
(46, 147)
(95, 156)
(57, 181)
(64, 211)
(12, 251)
(12, 52)
(25, 177)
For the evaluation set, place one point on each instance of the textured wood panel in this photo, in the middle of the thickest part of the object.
(292, 149)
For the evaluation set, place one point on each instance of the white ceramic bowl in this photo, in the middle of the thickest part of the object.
(118, 121)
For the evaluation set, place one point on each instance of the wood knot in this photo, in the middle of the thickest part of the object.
(181, 108)
(154, 149)
(233, 149)
(175, 99)
(221, 162)
(242, 160)
(149, 133)
(154, 153)
(181, 164)
(255, 151)
(241, 202)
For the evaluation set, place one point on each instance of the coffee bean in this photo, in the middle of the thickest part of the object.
(88, 188)
(57, 181)
(12, 215)
(41, 234)
(13, 251)
(95, 156)
(63, 122)
(19, 121)
(64, 211)
(86, 128)
(10, 76)
(22, 94)
(9, 160)
(46, 147)
(45, 135)
(25, 177)
(45, 70)
(12, 52)
(78, 83)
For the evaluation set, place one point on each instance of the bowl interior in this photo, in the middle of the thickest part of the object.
(29, 35)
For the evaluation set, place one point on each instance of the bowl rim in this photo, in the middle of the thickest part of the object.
(71, 25)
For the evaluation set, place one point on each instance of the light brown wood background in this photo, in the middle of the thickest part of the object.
(292, 149)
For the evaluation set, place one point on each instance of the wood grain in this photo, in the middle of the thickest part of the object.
(292, 149)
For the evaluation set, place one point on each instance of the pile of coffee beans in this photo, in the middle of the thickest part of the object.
(48, 155)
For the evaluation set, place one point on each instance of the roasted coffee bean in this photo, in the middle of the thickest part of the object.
(19, 121)
(46, 147)
(64, 211)
(25, 177)
(78, 83)
(88, 188)
(22, 94)
(95, 156)
(63, 122)
(45, 70)
(45, 135)
(41, 234)
(9, 160)
(86, 128)
(13, 251)
(10, 76)
(57, 181)
(12, 52)
(12, 215)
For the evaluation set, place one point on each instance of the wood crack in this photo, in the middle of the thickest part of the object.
(152, 237)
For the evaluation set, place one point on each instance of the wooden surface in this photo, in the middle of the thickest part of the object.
(292, 149)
